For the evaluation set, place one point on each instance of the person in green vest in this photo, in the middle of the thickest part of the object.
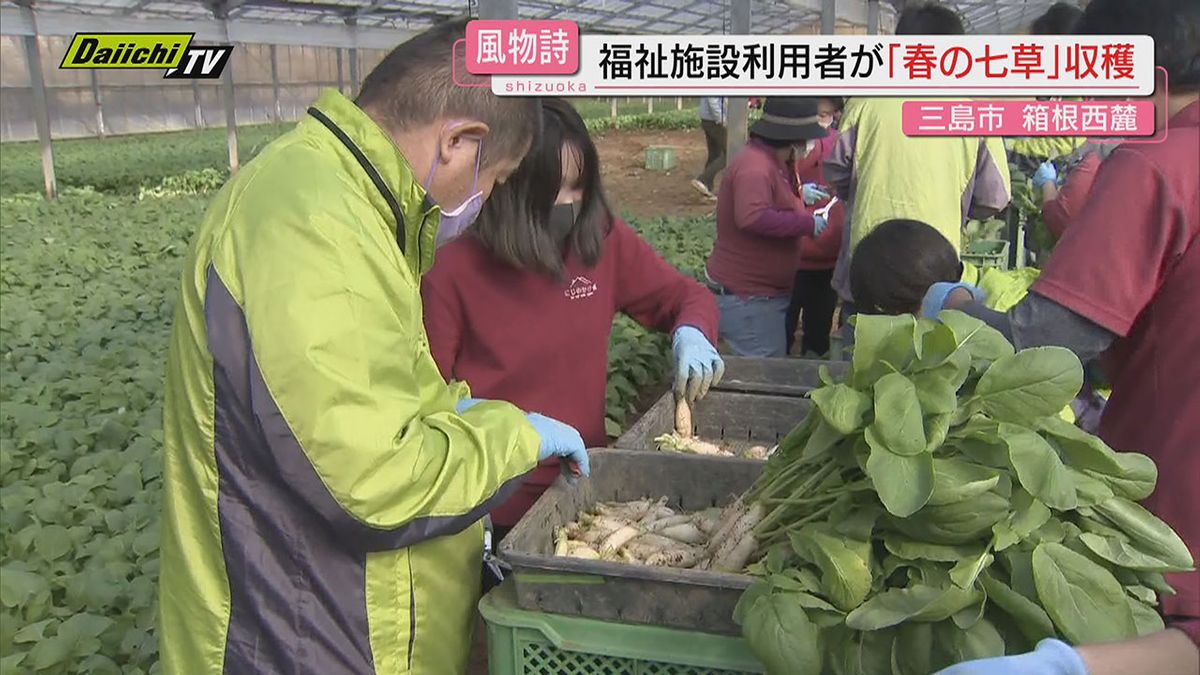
(881, 173)
(323, 484)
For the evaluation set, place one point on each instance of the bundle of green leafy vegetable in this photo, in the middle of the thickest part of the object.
(933, 508)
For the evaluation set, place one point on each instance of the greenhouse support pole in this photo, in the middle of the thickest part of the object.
(230, 104)
(41, 108)
(197, 108)
(340, 80)
(828, 17)
(737, 112)
(352, 23)
(872, 17)
(99, 101)
(499, 9)
(275, 84)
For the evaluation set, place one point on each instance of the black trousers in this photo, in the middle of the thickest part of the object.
(813, 302)
(714, 139)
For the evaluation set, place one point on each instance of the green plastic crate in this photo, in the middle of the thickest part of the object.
(660, 158)
(522, 642)
(987, 253)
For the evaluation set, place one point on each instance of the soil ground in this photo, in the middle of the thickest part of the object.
(640, 193)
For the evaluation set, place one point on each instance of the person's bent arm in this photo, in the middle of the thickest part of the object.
(754, 209)
(659, 296)
(1037, 321)
(349, 401)
(838, 167)
(654, 293)
(1104, 273)
(1060, 206)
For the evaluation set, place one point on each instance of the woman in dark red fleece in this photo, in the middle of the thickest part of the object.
(521, 307)
(812, 290)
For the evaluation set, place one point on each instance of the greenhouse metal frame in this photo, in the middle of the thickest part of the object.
(289, 49)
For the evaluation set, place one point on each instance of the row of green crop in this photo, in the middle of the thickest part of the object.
(88, 286)
(129, 164)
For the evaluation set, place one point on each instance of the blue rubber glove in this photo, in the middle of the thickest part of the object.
(819, 225)
(1051, 657)
(1046, 173)
(464, 404)
(813, 193)
(559, 440)
(935, 297)
(698, 366)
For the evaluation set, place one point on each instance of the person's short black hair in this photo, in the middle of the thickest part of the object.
(414, 85)
(1060, 19)
(514, 223)
(1174, 25)
(929, 18)
(895, 264)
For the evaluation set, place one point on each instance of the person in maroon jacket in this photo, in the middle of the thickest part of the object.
(521, 307)
(1123, 282)
(813, 297)
(761, 215)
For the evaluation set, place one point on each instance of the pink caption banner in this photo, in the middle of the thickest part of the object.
(522, 47)
(1028, 118)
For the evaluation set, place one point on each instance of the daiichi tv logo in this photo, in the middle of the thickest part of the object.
(173, 52)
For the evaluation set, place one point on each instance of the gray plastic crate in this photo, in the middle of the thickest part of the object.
(658, 596)
(781, 377)
(738, 419)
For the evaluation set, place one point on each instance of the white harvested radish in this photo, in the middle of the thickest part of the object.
(577, 549)
(736, 557)
(708, 520)
(730, 538)
(678, 557)
(663, 524)
(757, 452)
(629, 511)
(603, 525)
(730, 517)
(657, 542)
(675, 442)
(642, 550)
(687, 533)
(617, 539)
(683, 418)
(655, 515)
(561, 541)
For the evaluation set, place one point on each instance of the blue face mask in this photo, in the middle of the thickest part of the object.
(456, 221)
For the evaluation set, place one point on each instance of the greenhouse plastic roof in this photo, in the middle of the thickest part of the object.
(613, 16)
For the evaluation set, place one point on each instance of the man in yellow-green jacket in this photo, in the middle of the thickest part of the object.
(883, 174)
(323, 484)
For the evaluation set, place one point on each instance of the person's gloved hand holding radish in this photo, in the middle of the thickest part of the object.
(698, 366)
